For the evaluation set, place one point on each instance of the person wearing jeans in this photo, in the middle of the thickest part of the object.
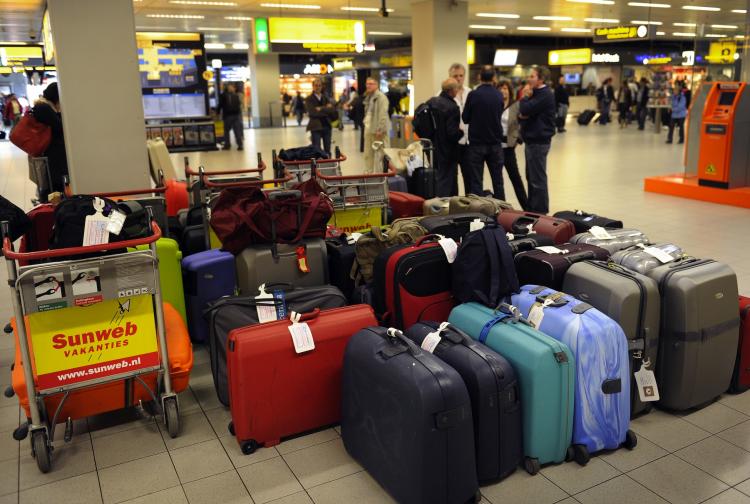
(537, 114)
(511, 138)
(679, 113)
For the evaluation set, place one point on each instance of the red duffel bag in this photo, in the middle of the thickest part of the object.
(248, 216)
(31, 136)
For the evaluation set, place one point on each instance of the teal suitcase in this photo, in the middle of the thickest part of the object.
(546, 377)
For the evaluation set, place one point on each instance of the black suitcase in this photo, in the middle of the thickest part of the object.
(422, 182)
(454, 226)
(584, 221)
(193, 240)
(493, 389)
(524, 243)
(340, 260)
(406, 418)
(585, 117)
(538, 267)
(234, 312)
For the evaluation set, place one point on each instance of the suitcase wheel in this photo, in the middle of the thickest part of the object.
(231, 428)
(570, 455)
(9, 392)
(172, 416)
(249, 447)
(581, 454)
(531, 465)
(631, 440)
(41, 450)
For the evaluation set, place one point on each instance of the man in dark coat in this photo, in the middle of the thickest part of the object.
(322, 111)
(230, 107)
(447, 134)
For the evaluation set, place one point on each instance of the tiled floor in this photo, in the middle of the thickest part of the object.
(697, 457)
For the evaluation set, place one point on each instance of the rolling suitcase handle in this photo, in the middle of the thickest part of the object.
(580, 256)
(521, 224)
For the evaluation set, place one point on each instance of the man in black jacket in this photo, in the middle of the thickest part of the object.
(641, 103)
(482, 112)
(563, 102)
(537, 116)
(448, 133)
(230, 106)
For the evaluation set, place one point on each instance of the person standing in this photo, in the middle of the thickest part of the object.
(483, 112)
(679, 113)
(299, 108)
(457, 72)
(377, 122)
(624, 101)
(562, 100)
(511, 138)
(12, 111)
(230, 107)
(321, 110)
(47, 111)
(642, 103)
(537, 116)
(606, 95)
(447, 135)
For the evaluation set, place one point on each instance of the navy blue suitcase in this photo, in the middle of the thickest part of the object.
(206, 277)
(406, 418)
(495, 399)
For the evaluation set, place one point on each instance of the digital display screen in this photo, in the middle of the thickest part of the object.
(727, 98)
(572, 78)
(174, 105)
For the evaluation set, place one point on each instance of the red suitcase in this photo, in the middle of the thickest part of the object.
(405, 204)
(176, 196)
(275, 392)
(741, 376)
(42, 221)
(518, 222)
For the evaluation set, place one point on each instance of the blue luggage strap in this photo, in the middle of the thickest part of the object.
(489, 325)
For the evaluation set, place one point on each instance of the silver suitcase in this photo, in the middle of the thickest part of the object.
(260, 264)
(637, 259)
(699, 331)
(629, 298)
(621, 239)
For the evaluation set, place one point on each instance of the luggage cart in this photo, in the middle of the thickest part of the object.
(199, 191)
(41, 291)
(302, 170)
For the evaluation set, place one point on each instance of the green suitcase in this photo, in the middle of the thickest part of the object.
(170, 274)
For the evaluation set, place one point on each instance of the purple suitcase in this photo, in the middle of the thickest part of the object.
(207, 276)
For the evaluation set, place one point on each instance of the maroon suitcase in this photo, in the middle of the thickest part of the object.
(538, 267)
(275, 392)
(518, 222)
(42, 221)
(405, 204)
(741, 376)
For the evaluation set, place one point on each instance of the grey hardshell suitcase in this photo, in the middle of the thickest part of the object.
(699, 331)
(268, 264)
(638, 259)
(630, 299)
(621, 239)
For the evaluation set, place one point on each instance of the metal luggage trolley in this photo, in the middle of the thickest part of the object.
(196, 180)
(302, 170)
(91, 321)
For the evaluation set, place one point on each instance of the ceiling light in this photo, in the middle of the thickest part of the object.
(290, 6)
(656, 23)
(701, 8)
(240, 45)
(683, 34)
(660, 33)
(576, 30)
(486, 27)
(176, 16)
(395, 34)
(739, 11)
(715, 35)
(684, 24)
(649, 4)
(217, 28)
(214, 45)
(724, 26)
(200, 2)
(553, 18)
(598, 2)
(534, 28)
(11, 24)
(238, 18)
(601, 20)
(155, 27)
(497, 15)
(364, 9)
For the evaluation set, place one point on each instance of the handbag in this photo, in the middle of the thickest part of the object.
(31, 136)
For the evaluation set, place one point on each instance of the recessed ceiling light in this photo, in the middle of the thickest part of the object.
(553, 18)
(649, 4)
(240, 45)
(690, 25)
(701, 8)
(655, 23)
(739, 11)
(660, 33)
(598, 2)
(143, 27)
(739, 36)
(289, 6)
(175, 16)
(364, 9)
(214, 45)
(683, 34)
(238, 18)
(724, 26)
(576, 30)
(601, 20)
(715, 35)
(486, 27)
(218, 28)
(497, 15)
(395, 34)
(534, 28)
(201, 2)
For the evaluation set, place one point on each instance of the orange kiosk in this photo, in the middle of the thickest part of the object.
(725, 130)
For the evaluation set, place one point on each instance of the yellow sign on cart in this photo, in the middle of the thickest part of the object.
(83, 343)
(357, 220)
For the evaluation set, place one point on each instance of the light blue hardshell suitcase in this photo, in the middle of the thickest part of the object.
(546, 378)
(601, 418)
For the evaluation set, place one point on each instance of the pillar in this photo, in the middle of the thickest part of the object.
(439, 32)
(100, 94)
(264, 89)
(745, 75)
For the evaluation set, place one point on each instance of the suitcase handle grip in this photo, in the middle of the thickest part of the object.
(521, 223)
(557, 301)
(275, 195)
(309, 316)
(581, 256)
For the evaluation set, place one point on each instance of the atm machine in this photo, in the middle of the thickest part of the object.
(724, 156)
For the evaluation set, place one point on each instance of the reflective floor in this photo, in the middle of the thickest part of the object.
(699, 457)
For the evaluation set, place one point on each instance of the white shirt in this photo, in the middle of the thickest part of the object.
(460, 100)
(504, 122)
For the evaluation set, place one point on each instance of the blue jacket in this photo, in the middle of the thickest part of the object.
(482, 112)
(539, 112)
(679, 106)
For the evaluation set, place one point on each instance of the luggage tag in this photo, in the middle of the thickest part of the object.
(433, 339)
(648, 390)
(476, 225)
(266, 312)
(658, 253)
(510, 236)
(301, 335)
(352, 238)
(600, 233)
(95, 226)
(302, 259)
(552, 250)
(536, 314)
(450, 247)
(116, 221)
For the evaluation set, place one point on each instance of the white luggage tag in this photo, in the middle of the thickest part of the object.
(433, 339)
(266, 311)
(510, 236)
(600, 233)
(301, 335)
(648, 390)
(95, 226)
(552, 250)
(530, 229)
(476, 225)
(657, 253)
(116, 221)
(450, 247)
(536, 314)
(352, 238)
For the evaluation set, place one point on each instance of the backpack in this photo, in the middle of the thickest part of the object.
(424, 123)
(484, 271)
(370, 245)
(472, 203)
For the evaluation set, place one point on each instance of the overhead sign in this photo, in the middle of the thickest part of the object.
(315, 69)
(316, 35)
(605, 58)
(343, 63)
(471, 51)
(20, 59)
(569, 57)
(623, 33)
(688, 58)
(505, 57)
(396, 61)
(653, 59)
(722, 52)
(260, 36)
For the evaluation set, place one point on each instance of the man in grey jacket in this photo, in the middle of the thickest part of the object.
(377, 123)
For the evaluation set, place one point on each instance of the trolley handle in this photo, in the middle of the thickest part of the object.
(250, 183)
(9, 253)
(390, 173)
(189, 172)
(339, 159)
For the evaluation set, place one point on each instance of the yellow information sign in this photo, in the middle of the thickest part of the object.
(722, 52)
(83, 343)
(570, 57)
(357, 220)
(471, 51)
(312, 30)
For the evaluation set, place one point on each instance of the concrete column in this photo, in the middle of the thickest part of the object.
(100, 94)
(745, 75)
(264, 83)
(439, 32)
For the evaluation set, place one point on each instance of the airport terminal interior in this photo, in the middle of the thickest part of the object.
(694, 455)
